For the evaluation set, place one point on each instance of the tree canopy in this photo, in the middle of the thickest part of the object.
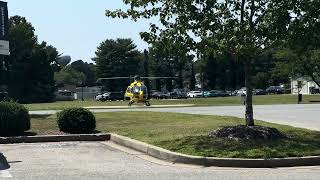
(69, 76)
(300, 53)
(88, 69)
(243, 28)
(30, 76)
(117, 58)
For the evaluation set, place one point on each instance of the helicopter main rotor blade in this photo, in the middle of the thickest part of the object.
(159, 77)
(115, 78)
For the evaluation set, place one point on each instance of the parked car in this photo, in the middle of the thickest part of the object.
(64, 95)
(275, 90)
(154, 94)
(221, 93)
(242, 92)
(160, 95)
(103, 97)
(178, 94)
(214, 93)
(114, 96)
(209, 94)
(231, 93)
(194, 94)
(259, 92)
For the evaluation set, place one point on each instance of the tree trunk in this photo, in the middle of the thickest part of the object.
(248, 101)
(180, 80)
(192, 79)
(146, 71)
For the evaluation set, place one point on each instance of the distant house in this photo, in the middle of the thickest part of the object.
(65, 93)
(88, 92)
(304, 85)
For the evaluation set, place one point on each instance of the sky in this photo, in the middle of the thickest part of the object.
(77, 27)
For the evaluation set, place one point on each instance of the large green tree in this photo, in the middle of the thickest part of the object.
(88, 69)
(30, 70)
(118, 58)
(69, 76)
(245, 28)
(169, 58)
(300, 54)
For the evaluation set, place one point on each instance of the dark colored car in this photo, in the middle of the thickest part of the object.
(275, 90)
(154, 94)
(221, 93)
(114, 96)
(178, 94)
(160, 95)
(260, 92)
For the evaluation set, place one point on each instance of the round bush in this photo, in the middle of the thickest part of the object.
(76, 120)
(14, 118)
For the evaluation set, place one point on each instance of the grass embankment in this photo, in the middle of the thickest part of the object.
(235, 100)
(187, 134)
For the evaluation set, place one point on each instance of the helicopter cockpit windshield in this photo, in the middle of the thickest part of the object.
(138, 89)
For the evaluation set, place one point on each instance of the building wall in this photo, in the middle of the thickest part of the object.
(87, 92)
(307, 86)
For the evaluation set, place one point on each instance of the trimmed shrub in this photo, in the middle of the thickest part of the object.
(14, 118)
(76, 120)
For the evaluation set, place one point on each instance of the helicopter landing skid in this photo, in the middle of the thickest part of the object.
(147, 103)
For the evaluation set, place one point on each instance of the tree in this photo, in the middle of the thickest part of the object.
(40, 73)
(146, 70)
(300, 54)
(30, 69)
(118, 58)
(87, 69)
(69, 76)
(170, 58)
(192, 84)
(244, 28)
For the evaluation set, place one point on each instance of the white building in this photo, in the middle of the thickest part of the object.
(88, 92)
(304, 85)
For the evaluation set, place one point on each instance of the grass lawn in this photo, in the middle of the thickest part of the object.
(236, 100)
(187, 134)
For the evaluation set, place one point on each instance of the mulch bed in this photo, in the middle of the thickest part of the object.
(242, 132)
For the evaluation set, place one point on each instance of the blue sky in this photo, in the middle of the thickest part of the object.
(77, 27)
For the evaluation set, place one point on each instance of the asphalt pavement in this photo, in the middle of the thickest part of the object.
(104, 160)
(297, 115)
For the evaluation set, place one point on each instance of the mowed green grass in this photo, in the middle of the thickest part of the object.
(188, 134)
(235, 100)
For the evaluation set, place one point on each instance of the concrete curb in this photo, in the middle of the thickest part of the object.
(211, 161)
(54, 138)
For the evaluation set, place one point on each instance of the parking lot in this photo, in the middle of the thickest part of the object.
(102, 160)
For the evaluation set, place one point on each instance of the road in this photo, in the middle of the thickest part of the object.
(298, 115)
(104, 160)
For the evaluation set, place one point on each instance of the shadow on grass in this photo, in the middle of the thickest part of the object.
(308, 145)
(39, 116)
(91, 132)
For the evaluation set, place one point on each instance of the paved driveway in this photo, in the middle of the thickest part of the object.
(104, 160)
(298, 115)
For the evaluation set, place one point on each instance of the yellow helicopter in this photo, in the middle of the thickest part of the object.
(137, 92)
